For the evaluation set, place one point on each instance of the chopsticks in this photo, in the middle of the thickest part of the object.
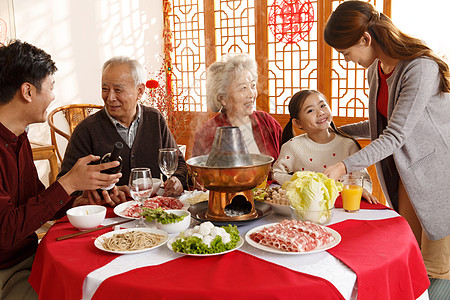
(65, 237)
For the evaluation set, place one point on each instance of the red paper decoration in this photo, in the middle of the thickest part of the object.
(168, 47)
(290, 21)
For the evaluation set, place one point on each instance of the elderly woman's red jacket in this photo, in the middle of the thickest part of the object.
(266, 131)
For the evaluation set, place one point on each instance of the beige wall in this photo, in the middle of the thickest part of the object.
(428, 20)
(82, 34)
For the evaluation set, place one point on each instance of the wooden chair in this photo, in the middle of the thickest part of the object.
(74, 114)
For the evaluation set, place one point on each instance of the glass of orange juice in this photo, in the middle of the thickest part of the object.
(352, 192)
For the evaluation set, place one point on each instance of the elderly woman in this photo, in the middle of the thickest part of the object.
(231, 91)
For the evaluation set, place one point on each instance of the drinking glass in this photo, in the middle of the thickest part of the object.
(168, 161)
(352, 192)
(141, 185)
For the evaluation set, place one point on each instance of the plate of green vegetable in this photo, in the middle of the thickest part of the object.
(206, 240)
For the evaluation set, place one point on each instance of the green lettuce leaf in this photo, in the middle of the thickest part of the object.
(160, 215)
(312, 191)
(195, 245)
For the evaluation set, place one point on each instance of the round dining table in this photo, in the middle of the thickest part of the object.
(377, 258)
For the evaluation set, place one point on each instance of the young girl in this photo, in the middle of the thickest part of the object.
(322, 145)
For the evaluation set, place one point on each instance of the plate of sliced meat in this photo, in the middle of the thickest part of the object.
(293, 237)
(131, 209)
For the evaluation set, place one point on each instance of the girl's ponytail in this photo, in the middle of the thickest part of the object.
(288, 132)
(340, 132)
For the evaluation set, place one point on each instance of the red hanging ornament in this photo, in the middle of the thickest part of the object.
(290, 21)
(152, 84)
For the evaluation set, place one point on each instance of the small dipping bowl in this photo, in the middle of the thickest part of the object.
(178, 226)
(86, 216)
(320, 217)
(156, 186)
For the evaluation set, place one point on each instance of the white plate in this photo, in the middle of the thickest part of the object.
(337, 240)
(239, 244)
(98, 241)
(200, 195)
(118, 210)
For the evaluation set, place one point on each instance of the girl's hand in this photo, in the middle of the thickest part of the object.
(369, 197)
(336, 171)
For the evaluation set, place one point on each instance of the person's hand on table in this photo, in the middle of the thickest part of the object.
(83, 176)
(336, 171)
(369, 197)
(116, 196)
(173, 187)
(87, 198)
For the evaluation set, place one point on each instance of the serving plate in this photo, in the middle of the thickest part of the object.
(198, 212)
(239, 244)
(194, 197)
(336, 241)
(98, 241)
(118, 210)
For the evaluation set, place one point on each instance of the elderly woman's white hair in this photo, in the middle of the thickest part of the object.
(220, 75)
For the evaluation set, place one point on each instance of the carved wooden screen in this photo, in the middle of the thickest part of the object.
(292, 60)
(187, 24)
(205, 30)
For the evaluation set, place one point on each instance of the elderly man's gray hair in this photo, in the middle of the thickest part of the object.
(137, 71)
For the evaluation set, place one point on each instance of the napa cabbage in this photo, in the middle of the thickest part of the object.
(312, 192)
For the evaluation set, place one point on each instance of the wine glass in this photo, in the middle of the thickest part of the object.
(141, 185)
(168, 161)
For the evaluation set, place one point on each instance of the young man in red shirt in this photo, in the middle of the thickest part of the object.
(26, 90)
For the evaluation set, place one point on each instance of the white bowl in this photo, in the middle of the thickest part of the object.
(281, 209)
(86, 216)
(156, 185)
(320, 217)
(179, 226)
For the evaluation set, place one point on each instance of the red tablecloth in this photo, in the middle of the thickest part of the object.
(385, 257)
(364, 204)
(236, 275)
(60, 267)
(383, 254)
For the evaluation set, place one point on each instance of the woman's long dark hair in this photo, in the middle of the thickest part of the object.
(351, 19)
(294, 110)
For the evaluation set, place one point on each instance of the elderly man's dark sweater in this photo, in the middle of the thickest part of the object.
(97, 135)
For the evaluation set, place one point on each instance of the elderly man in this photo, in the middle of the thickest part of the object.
(142, 130)
(26, 90)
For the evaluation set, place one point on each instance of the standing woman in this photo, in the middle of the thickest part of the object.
(409, 125)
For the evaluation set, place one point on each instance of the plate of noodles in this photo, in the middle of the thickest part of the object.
(131, 240)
